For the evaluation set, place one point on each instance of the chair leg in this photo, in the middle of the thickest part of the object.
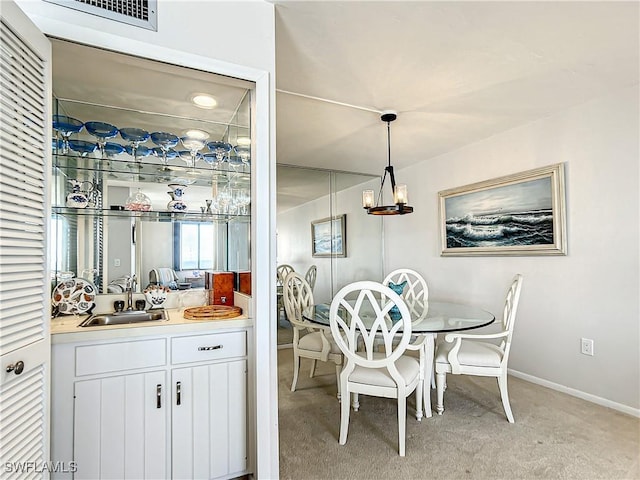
(338, 370)
(296, 369)
(502, 384)
(419, 399)
(429, 374)
(402, 423)
(441, 378)
(344, 419)
(313, 369)
(356, 402)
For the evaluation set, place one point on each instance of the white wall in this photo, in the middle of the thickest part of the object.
(241, 33)
(593, 291)
(231, 38)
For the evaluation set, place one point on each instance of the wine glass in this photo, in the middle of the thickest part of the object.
(234, 162)
(137, 152)
(111, 149)
(244, 152)
(102, 131)
(135, 137)
(166, 155)
(165, 141)
(220, 149)
(194, 145)
(223, 199)
(66, 126)
(82, 147)
(243, 199)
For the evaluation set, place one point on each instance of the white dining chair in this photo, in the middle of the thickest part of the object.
(415, 292)
(476, 354)
(310, 340)
(357, 317)
(413, 289)
(281, 273)
(311, 276)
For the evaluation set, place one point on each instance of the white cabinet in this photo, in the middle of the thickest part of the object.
(120, 426)
(209, 406)
(172, 406)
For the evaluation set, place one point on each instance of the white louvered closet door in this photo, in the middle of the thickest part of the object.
(25, 140)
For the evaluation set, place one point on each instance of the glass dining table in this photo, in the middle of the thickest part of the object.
(441, 317)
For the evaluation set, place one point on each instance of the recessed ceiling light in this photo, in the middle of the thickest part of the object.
(195, 133)
(203, 100)
(243, 141)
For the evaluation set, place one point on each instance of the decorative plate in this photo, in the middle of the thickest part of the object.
(73, 296)
(156, 295)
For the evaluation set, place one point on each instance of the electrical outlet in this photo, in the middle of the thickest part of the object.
(116, 262)
(586, 346)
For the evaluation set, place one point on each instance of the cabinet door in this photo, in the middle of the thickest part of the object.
(209, 420)
(120, 427)
(25, 139)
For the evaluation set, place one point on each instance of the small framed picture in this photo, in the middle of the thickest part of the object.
(520, 214)
(329, 237)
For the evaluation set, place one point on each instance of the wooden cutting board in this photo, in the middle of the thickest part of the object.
(212, 312)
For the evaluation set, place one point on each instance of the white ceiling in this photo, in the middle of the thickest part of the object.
(456, 72)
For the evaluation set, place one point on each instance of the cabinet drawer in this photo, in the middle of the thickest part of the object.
(208, 347)
(116, 357)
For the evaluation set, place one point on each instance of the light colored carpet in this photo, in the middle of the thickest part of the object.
(555, 436)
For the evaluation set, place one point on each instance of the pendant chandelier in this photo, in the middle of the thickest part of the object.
(399, 191)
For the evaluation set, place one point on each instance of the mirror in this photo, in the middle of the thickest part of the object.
(96, 237)
(305, 196)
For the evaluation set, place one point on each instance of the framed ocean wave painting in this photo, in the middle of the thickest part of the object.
(329, 237)
(519, 214)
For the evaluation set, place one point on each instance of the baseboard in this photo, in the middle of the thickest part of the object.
(577, 393)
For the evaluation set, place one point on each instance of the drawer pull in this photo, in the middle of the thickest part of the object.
(178, 392)
(159, 396)
(213, 347)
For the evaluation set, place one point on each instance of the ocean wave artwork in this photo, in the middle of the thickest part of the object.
(501, 230)
(507, 216)
(328, 237)
(326, 244)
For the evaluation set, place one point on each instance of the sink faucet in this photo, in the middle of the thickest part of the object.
(131, 285)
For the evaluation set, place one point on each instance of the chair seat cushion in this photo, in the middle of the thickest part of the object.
(408, 367)
(313, 342)
(472, 353)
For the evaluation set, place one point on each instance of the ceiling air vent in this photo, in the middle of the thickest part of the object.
(140, 13)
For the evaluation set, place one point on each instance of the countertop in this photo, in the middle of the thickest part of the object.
(65, 328)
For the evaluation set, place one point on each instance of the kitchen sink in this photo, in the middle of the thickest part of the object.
(122, 318)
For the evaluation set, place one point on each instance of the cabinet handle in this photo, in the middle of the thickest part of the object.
(212, 347)
(18, 368)
(178, 392)
(159, 396)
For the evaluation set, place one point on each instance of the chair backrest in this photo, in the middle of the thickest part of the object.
(296, 296)
(415, 293)
(164, 276)
(360, 310)
(311, 275)
(282, 271)
(510, 310)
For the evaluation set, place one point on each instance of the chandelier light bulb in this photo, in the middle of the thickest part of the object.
(400, 194)
(367, 199)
